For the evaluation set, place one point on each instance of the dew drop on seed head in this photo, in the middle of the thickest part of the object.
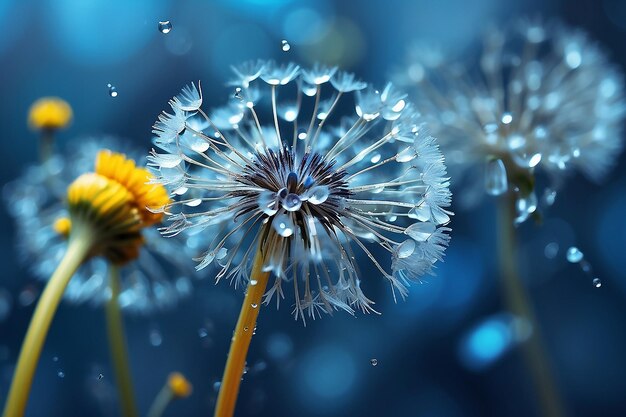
(285, 45)
(597, 282)
(374, 361)
(574, 255)
(165, 26)
(112, 90)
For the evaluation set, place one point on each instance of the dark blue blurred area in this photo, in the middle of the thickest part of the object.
(73, 49)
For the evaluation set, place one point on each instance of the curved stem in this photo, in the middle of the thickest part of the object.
(518, 303)
(229, 388)
(117, 346)
(78, 248)
(162, 400)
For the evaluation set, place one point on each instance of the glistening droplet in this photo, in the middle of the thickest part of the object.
(374, 361)
(285, 45)
(112, 90)
(574, 255)
(495, 177)
(165, 26)
(597, 282)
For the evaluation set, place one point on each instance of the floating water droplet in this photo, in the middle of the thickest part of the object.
(495, 177)
(55, 359)
(549, 196)
(285, 45)
(302, 133)
(100, 377)
(551, 250)
(283, 225)
(216, 386)
(526, 205)
(155, 338)
(374, 361)
(574, 255)
(254, 305)
(507, 118)
(597, 282)
(165, 26)
(112, 90)
(238, 94)
(61, 374)
(202, 332)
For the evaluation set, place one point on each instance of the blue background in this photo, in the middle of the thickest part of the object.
(73, 49)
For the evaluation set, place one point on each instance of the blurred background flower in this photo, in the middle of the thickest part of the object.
(57, 49)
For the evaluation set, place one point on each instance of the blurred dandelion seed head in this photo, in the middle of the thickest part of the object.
(179, 385)
(314, 167)
(154, 280)
(49, 113)
(544, 96)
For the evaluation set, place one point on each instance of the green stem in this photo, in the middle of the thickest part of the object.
(77, 251)
(518, 303)
(162, 400)
(117, 346)
(46, 145)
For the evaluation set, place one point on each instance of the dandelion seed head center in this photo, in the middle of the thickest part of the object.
(288, 183)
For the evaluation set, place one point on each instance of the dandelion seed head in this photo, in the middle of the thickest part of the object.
(543, 97)
(316, 168)
(153, 280)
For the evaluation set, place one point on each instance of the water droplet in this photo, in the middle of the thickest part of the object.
(155, 338)
(302, 133)
(405, 249)
(238, 94)
(507, 118)
(574, 255)
(55, 359)
(254, 305)
(245, 329)
(292, 202)
(319, 194)
(112, 90)
(551, 250)
(597, 282)
(526, 205)
(100, 376)
(285, 45)
(202, 332)
(61, 374)
(495, 177)
(165, 26)
(216, 386)
(375, 159)
(283, 225)
(549, 196)
(374, 361)
(253, 282)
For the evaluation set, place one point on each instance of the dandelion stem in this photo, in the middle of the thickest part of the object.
(161, 401)
(78, 248)
(517, 302)
(117, 346)
(229, 388)
(46, 145)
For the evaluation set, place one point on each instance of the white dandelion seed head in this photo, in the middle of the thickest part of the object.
(544, 96)
(322, 171)
(36, 200)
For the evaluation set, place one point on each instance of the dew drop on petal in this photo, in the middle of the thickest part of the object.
(112, 90)
(374, 361)
(597, 282)
(319, 194)
(283, 225)
(165, 26)
(405, 249)
(495, 177)
(285, 45)
(574, 255)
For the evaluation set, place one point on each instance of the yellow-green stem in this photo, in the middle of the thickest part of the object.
(518, 303)
(161, 401)
(117, 346)
(46, 145)
(78, 248)
(229, 387)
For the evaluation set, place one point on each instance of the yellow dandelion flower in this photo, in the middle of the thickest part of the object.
(107, 211)
(50, 113)
(179, 385)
